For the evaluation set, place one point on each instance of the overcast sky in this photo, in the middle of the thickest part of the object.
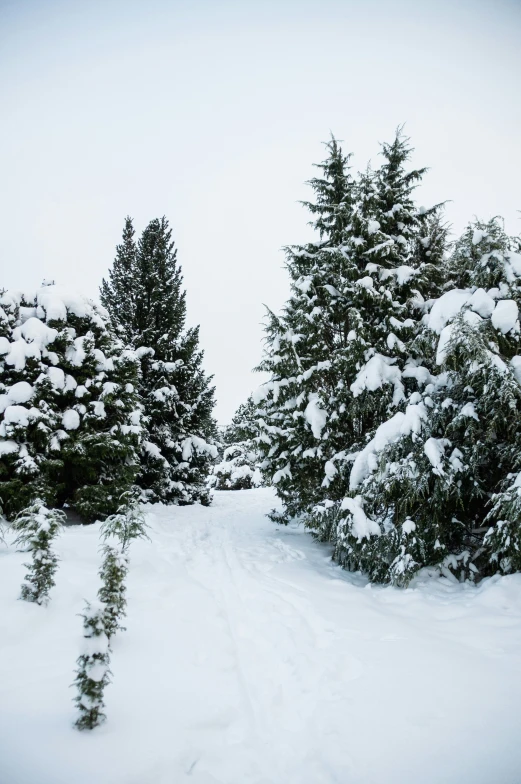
(212, 114)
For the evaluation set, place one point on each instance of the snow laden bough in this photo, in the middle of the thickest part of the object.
(69, 413)
(439, 484)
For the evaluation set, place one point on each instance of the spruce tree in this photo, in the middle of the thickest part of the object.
(37, 528)
(127, 524)
(69, 412)
(176, 394)
(93, 673)
(114, 292)
(113, 572)
(436, 486)
(337, 353)
(304, 348)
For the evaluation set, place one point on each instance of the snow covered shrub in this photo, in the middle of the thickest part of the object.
(437, 484)
(119, 530)
(69, 411)
(147, 305)
(112, 592)
(238, 469)
(93, 673)
(127, 524)
(37, 527)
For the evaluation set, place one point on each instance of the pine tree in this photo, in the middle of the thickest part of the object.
(118, 531)
(435, 477)
(37, 529)
(113, 572)
(114, 292)
(93, 673)
(238, 469)
(337, 354)
(127, 524)
(69, 411)
(176, 394)
(305, 346)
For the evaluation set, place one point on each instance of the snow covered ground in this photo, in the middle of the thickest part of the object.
(251, 658)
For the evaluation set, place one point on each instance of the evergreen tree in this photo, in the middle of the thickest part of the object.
(114, 292)
(427, 487)
(238, 469)
(337, 353)
(37, 528)
(119, 530)
(176, 394)
(113, 589)
(127, 524)
(304, 347)
(93, 673)
(69, 411)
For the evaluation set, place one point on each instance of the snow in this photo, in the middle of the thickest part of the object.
(434, 448)
(408, 526)
(443, 343)
(403, 274)
(372, 227)
(35, 331)
(70, 419)
(361, 526)
(56, 377)
(315, 415)
(21, 392)
(401, 424)
(54, 302)
(379, 370)
(482, 303)
(516, 367)
(477, 236)
(504, 318)
(152, 449)
(281, 474)
(514, 260)
(447, 308)
(16, 415)
(8, 448)
(250, 658)
(469, 410)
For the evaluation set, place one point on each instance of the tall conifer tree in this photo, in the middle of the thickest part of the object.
(176, 394)
(337, 353)
(438, 485)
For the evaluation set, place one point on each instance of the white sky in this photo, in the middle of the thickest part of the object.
(212, 114)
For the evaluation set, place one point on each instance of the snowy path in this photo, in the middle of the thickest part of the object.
(251, 658)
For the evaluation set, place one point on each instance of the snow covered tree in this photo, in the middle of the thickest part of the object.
(69, 412)
(93, 673)
(37, 528)
(238, 469)
(303, 345)
(118, 531)
(127, 524)
(337, 352)
(177, 398)
(122, 277)
(436, 485)
(113, 572)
